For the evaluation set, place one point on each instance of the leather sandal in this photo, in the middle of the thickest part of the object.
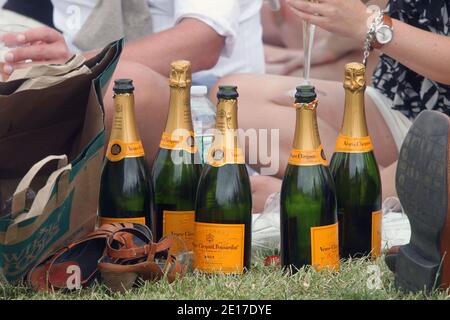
(122, 268)
(56, 271)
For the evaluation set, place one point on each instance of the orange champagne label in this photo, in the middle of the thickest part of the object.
(182, 140)
(325, 247)
(181, 225)
(105, 220)
(218, 157)
(118, 150)
(219, 248)
(308, 157)
(353, 145)
(376, 233)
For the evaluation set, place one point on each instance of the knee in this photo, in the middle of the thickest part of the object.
(151, 90)
(242, 81)
(146, 80)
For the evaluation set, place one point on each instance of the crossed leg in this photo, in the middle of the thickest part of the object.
(264, 103)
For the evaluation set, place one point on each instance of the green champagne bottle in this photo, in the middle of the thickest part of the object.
(125, 190)
(223, 209)
(175, 171)
(356, 174)
(309, 225)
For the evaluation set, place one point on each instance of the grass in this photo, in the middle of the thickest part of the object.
(262, 282)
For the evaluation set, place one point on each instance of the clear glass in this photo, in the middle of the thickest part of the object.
(8, 41)
(203, 119)
(308, 42)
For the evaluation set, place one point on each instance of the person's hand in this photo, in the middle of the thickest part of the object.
(348, 18)
(42, 44)
(283, 61)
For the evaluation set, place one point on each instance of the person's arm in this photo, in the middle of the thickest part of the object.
(421, 51)
(191, 39)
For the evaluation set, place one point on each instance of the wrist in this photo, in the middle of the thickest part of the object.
(365, 23)
(380, 33)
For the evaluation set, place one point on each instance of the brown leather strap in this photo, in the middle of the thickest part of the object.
(174, 269)
(128, 249)
(149, 250)
(387, 20)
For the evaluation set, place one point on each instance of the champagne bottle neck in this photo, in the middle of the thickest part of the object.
(306, 130)
(354, 123)
(179, 117)
(226, 148)
(226, 118)
(124, 126)
(227, 123)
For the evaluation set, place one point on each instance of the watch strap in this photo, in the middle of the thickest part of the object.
(387, 21)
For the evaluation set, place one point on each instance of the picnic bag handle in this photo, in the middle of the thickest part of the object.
(39, 203)
(44, 195)
(19, 197)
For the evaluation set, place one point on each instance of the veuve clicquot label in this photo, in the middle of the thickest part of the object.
(348, 144)
(179, 140)
(223, 217)
(220, 155)
(118, 150)
(125, 192)
(175, 171)
(181, 225)
(325, 247)
(105, 220)
(219, 247)
(356, 174)
(376, 233)
(309, 228)
(313, 157)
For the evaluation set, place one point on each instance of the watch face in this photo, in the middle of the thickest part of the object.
(384, 35)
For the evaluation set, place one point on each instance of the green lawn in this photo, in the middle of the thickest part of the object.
(261, 282)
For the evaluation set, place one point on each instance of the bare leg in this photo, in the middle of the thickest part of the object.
(264, 186)
(264, 104)
(151, 95)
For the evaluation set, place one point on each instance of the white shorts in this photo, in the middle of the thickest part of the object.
(9, 17)
(397, 122)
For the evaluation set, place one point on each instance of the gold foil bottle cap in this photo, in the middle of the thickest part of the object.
(306, 98)
(355, 77)
(180, 74)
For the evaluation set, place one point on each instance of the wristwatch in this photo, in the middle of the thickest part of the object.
(384, 32)
(380, 33)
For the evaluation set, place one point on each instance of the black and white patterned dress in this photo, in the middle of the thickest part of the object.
(412, 93)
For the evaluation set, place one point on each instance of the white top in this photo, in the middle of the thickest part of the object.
(237, 20)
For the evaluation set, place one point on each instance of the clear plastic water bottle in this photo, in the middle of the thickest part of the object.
(203, 118)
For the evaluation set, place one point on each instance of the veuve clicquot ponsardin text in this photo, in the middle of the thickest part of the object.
(309, 225)
(177, 169)
(223, 209)
(125, 189)
(356, 174)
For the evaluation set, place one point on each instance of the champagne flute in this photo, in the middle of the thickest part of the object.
(8, 41)
(308, 42)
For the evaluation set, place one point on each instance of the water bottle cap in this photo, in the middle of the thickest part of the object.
(199, 90)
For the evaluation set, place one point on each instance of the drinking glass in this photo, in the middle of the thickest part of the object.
(8, 41)
(308, 42)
